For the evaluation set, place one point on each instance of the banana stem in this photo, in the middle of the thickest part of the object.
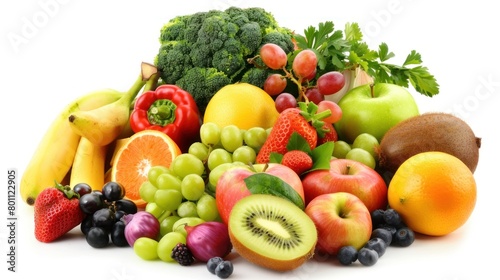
(152, 83)
(148, 72)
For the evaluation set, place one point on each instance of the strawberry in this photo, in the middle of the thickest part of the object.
(330, 135)
(57, 211)
(299, 161)
(302, 120)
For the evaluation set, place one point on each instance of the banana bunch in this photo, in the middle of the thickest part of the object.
(75, 147)
(56, 151)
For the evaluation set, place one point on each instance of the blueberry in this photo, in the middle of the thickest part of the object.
(347, 255)
(383, 233)
(367, 257)
(224, 269)
(377, 218)
(403, 237)
(212, 264)
(392, 218)
(377, 244)
(391, 229)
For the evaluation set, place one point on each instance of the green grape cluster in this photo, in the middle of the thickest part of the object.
(221, 148)
(363, 149)
(186, 189)
(178, 192)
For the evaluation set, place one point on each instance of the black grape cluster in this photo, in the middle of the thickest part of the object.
(104, 210)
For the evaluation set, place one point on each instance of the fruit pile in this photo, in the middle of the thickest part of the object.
(310, 160)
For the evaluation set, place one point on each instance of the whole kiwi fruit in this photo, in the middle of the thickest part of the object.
(272, 232)
(435, 131)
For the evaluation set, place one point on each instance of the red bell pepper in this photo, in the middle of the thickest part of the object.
(168, 109)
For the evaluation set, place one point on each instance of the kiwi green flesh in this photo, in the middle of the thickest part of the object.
(441, 132)
(272, 227)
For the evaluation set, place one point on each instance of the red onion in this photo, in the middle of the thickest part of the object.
(140, 224)
(207, 240)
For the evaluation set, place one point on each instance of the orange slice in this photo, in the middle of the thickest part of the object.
(136, 156)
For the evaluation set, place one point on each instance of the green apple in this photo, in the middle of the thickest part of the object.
(374, 109)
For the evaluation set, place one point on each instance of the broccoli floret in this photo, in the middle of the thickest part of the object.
(201, 55)
(214, 31)
(193, 25)
(229, 63)
(256, 76)
(202, 84)
(229, 59)
(250, 37)
(238, 16)
(264, 18)
(173, 30)
(173, 60)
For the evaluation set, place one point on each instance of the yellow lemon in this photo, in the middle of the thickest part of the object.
(243, 105)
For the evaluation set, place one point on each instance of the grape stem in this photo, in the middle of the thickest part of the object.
(301, 88)
(253, 61)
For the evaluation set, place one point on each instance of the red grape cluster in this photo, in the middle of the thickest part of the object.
(303, 73)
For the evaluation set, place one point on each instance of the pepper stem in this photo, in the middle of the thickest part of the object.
(162, 112)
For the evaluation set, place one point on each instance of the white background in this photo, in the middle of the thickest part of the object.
(54, 51)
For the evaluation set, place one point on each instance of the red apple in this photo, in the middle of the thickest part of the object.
(350, 176)
(231, 186)
(341, 219)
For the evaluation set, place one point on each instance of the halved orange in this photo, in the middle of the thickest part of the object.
(136, 156)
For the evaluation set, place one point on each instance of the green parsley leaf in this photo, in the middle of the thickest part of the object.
(339, 50)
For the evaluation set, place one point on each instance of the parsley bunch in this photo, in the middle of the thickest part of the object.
(345, 50)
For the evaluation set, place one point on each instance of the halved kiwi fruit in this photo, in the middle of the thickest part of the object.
(272, 232)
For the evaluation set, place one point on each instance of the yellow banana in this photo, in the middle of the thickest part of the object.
(54, 155)
(88, 165)
(105, 124)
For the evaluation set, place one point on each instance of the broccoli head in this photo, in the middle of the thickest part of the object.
(202, 84)
(205, 51)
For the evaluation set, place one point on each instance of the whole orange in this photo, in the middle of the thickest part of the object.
(434, 192)
(243, 105)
